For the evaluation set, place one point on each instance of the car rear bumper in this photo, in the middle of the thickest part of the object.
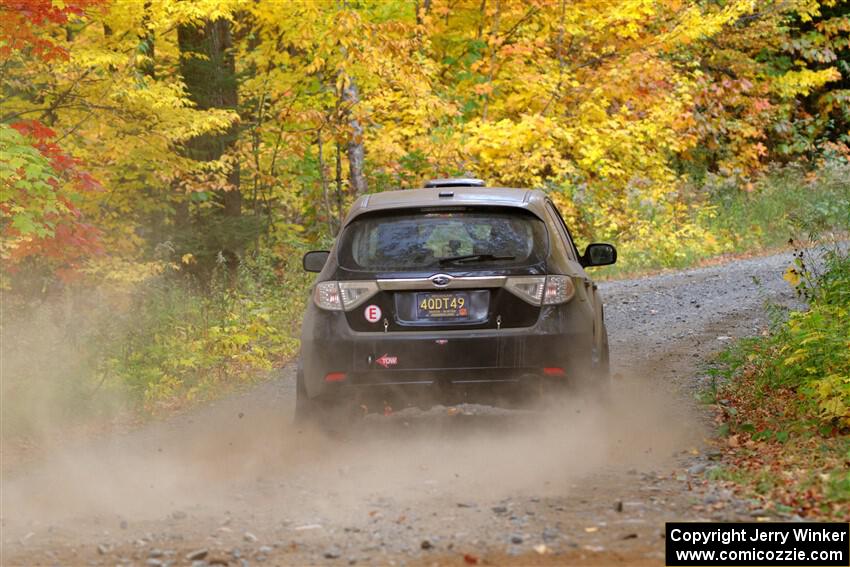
(501, 387)
(338, 362)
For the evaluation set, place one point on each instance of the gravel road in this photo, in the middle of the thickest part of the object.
(235, 483)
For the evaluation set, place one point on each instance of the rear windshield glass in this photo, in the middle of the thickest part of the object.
(423, 240)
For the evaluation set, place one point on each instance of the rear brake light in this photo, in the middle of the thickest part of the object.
(339, 296)
(559, 289)
(326, 295)
(554, 371)
(335, 377)
(542, 290)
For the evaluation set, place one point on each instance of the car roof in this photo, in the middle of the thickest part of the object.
(448, 196)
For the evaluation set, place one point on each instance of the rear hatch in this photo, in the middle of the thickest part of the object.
(436, 271)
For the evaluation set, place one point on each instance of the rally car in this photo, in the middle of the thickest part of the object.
(452, 293)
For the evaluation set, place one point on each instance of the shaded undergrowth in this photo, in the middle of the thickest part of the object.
(784, 399)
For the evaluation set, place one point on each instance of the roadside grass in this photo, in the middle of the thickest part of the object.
(783, 401)
(733, 221)
(187, 345)
(134, 346)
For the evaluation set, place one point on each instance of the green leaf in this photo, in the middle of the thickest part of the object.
(24, 224)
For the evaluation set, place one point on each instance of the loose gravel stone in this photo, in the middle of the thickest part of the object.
(197, 554)
(698, 468)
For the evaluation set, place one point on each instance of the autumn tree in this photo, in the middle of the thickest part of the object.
(42, 184)
(218, 128)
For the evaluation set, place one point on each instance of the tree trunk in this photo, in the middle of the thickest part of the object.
(426, 9)
(356, 150)
(209, 73)
(324, 180)
(350, 98)
(339, 184)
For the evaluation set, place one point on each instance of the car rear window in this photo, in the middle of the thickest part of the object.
(421, 240)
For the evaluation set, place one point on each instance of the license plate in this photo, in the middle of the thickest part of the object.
(442, 306)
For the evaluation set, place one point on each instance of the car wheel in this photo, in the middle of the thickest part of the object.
(305, 408)
(603, 359)
(327, 414)
(601, 374)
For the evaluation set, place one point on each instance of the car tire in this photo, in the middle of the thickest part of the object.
(601, 375)
(305, 408)
(603, 363)
(326, 414)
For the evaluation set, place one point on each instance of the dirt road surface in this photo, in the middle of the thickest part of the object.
(235, 483)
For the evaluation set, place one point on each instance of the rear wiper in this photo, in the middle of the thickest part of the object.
(473, 258)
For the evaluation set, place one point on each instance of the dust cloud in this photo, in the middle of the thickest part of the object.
(244, 458)
(50, 382)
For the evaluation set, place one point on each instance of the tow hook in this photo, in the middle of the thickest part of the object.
(498, 322)
(386, 325)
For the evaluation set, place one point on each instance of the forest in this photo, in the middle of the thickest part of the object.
(166, 163)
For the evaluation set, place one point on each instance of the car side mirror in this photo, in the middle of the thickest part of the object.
(599, 255)
(314, 261)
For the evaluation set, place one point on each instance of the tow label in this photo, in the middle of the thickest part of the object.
(386, 360)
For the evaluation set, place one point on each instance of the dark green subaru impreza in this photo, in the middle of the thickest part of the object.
(451, 293)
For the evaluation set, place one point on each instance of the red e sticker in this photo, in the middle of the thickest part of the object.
(372, 313)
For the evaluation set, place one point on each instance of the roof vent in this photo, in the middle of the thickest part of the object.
(455, 182)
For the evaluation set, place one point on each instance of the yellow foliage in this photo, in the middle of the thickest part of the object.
(803, 81)
(792, 276)
(605, 104)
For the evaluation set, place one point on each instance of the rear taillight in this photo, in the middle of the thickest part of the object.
(335, 377)
(559, 289)
(343, 296)
(326, 295)
(542, 290)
